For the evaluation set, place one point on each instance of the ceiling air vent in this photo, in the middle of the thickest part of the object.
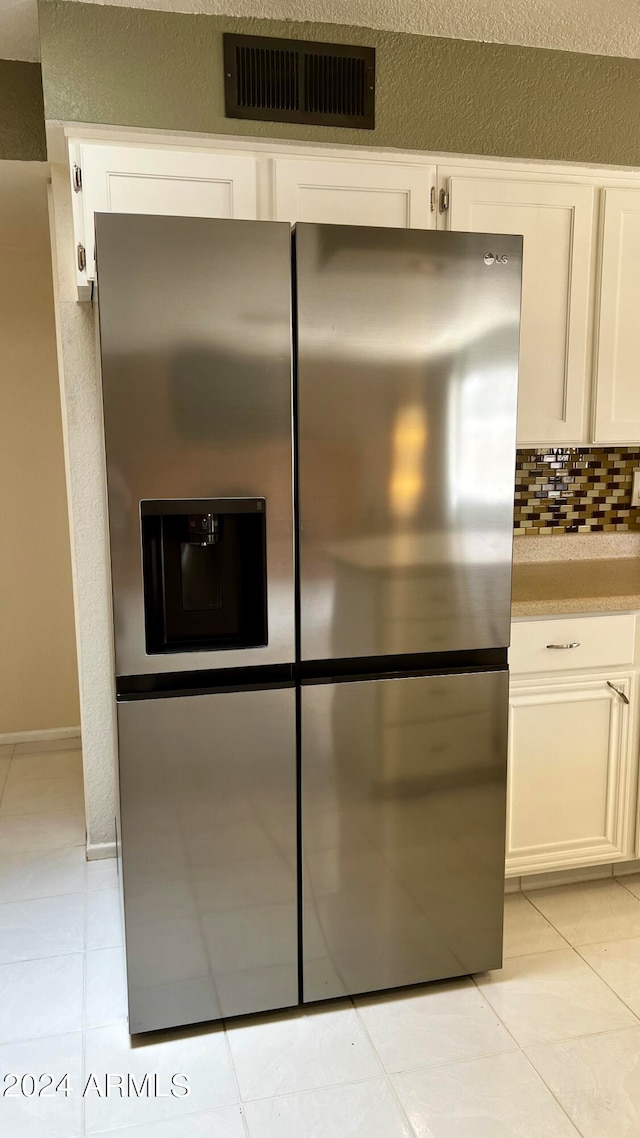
(324, 84)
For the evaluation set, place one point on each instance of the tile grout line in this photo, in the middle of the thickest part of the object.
(314, 1090)
(236, 1079)
(576, 949)
(55, 896)
(606, 982)
(620, 881)
(387, 1076)
(552, 1093)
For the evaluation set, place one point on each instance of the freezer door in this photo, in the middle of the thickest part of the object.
(403, 830)
(195, 333)
(208, 835)
(407, 377)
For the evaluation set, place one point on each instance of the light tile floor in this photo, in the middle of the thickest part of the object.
(548, 1047)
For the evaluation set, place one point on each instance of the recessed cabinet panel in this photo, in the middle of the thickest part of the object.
(569, 799)
(556, 221)
(139, 179)
(617, 417)
(354, 193)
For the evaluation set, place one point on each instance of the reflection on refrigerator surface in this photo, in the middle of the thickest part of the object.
(209, 832)
(403, 830)
(406, 495)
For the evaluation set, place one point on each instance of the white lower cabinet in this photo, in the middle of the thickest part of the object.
(572, 775)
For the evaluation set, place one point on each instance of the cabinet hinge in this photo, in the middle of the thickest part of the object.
(82, 258)
(432, 199)
(77, 178)
(444, 201)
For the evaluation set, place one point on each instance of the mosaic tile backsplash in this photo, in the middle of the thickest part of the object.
(575, 490)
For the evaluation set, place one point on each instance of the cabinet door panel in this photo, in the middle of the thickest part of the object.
(617, 417)
(556, 221)
(353, 193)
(127, 179)
(569, 774)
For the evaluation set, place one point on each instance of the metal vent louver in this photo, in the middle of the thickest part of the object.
(299, 81)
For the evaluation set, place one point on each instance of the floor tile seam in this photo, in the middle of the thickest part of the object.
(47, 897)
(386, 1073)
(367, 1034)
(48, 956)
(494, 1012)
(441, 1064)
(631, 1027)
(620, 881)
(582, 1035)
(34, 779)
(538, 952)
(399, 1104)
(177, 1117)
(545, 918)
(53, 814)
(35, 849)
(21, 1039)
(320, 1087)
(552, 1093)
(606, 982)
(236, 1079)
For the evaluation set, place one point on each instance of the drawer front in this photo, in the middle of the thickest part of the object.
(599, 642)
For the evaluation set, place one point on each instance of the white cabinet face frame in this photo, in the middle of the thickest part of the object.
(130, 179)
(551, 781)
(617, 380)
(353, 192)
(557, 221)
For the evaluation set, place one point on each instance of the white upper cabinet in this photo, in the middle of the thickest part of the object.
(556, 220)
(352, 192)
(136, 179)
(617, 388)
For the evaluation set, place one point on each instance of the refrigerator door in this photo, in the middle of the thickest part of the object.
(208, 837)
(407, 378)
(403, 830)
(195, 332)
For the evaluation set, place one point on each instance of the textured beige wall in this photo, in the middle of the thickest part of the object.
(38, 674)
(21, 112)
(604, 27)
(164, 70)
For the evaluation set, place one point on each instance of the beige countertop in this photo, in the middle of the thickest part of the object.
(550, 588)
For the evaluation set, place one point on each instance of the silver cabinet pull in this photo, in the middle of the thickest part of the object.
(619, 691)
(571, 644)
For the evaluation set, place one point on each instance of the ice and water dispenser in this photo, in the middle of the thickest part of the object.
(205, 574)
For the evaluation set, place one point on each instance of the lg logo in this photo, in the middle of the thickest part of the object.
(495, 258)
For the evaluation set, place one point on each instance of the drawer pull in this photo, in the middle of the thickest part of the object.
(571, 644)
(619, 691)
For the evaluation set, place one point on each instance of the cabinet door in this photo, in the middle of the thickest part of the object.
(128, 179)
(349, 192)
(617, 416)
(570, 773)
(556, 221)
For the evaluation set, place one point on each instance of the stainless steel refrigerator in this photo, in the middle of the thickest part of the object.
(310, 446)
